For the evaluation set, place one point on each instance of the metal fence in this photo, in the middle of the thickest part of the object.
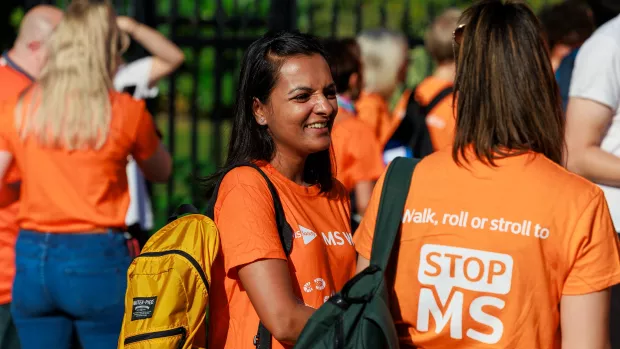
(195, 103)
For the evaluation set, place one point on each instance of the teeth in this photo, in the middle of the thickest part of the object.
(318, 125)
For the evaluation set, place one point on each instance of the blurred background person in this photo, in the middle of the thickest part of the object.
(440, 120)
(70, 135)
(428, 121)
(19, 66)
(567, 26)
(139, 78)
(593, 126)
(357, 152)
(505, 166)
(385, 59)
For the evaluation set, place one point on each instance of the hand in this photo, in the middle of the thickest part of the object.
(127, 24)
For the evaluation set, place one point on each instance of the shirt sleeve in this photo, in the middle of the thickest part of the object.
(245, 217)
(366, 230)
(136, 74)
(367, 162)
(596, 251)
(146, 139)
(596, 75)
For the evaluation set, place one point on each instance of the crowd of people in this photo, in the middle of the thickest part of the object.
(508, 236)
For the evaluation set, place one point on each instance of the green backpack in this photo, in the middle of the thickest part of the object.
(359, 316)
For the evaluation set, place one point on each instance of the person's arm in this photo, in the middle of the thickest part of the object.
(268, 280)
(594, 98)
(9, 193)
(363, 192)
(158, 167)
(587, 123)
(585, 321)
(592, 253)
(254, 256)
(149, 152)
(167, 56)
(362, 263)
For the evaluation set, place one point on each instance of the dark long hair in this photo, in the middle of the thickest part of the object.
(250, 141)
(508, 101)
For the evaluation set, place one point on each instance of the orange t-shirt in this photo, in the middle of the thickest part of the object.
(357, 153)
(441, 121)
(322, 259)
(82, 190)
(373, 109)
(13, 83)
(487, 253)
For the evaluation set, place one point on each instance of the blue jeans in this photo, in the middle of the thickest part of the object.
(67, 282)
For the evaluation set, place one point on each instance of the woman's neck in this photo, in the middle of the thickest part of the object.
(290, 166)
(445, 71)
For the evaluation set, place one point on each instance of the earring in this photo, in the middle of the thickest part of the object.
(262, 120)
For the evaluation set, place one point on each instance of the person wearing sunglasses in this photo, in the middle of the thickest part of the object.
(70, 135)
(500, 246)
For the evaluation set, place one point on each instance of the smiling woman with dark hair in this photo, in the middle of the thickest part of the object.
(286, 105)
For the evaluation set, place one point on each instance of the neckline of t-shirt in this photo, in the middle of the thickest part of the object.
(312, 190)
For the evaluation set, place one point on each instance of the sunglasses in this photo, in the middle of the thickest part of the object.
(457, 38)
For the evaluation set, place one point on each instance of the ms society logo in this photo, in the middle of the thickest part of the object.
(305, 233)
(449, 271)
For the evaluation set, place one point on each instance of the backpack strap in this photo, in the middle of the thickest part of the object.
(438, 98)
(393, 197)
(183, 210)
(284, 229)
(262, 340)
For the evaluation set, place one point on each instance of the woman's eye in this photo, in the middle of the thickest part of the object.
(330, 94)
(302, 97)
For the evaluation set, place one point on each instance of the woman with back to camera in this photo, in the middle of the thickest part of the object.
(70, 135)
(519, 252)
(286, 105)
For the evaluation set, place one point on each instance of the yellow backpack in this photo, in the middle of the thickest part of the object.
(167, 296)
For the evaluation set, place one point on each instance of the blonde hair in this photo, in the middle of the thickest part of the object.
(438, 37)
(70, 105)
(383, 52)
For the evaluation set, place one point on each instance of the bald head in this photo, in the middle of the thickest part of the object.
(38, 24)
(30, 51)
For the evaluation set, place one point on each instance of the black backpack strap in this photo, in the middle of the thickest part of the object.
(263, 336)
(284, 229)
(183, 210)
(393, 197)
(440, 96)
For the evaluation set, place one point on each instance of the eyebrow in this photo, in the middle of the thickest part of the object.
(308, 89)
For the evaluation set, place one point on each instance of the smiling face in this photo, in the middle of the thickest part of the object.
(302, 106)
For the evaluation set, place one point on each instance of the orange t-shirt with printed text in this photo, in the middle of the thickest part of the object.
(83, 190)
(487, 253)
(13, 83)
(322, 259)
(441, 120)
(357, 153)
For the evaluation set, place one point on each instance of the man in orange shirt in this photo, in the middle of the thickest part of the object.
(440, 120)
(18, 68)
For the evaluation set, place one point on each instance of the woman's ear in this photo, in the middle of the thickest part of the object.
(258, 110)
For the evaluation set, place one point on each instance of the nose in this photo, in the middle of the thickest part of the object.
(323, 106)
